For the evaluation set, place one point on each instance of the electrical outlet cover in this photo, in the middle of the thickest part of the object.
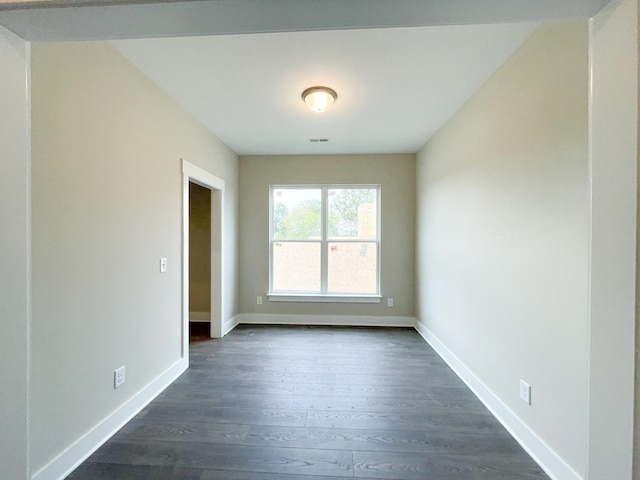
(119, 377)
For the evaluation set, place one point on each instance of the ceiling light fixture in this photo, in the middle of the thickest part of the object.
(318, 99)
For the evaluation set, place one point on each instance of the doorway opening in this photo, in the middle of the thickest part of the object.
(199, 263)
(202, 285)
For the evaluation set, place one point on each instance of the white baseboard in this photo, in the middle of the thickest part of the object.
(81, 449)
(346, 320)
(229, 325)
(542, 453)
(199, 316)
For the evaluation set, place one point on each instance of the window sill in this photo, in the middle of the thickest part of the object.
(311, 298)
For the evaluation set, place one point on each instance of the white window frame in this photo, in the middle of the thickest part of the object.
(324, 296)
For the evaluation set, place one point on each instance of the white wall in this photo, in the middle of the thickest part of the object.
(395, 174)
(614, 130)
(14, 253)
(503, 242)
(107, 201)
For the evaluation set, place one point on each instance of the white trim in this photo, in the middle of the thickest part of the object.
(590, 233)
(229, 325)
(344, 320)
(195, 174)
(185, 264)
(79, 451)
(324, 244)
(201, 176)
(217, 260)
(539, 450)
(311, 298)
(199, 316)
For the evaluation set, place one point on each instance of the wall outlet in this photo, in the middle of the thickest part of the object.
(259, 300)
(525, 392)
(118, 377)
(163, 265)
(389, 302)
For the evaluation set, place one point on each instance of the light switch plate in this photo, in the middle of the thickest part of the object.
(163, 265)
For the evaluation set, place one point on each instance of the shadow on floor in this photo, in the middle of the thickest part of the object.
(199, 332)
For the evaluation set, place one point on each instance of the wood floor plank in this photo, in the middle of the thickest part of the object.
(216, 390)
(247, 416)
(428, 422)
(226, 475)
(227, 457)
(410, 466)
(361, 390)
(194, 432)
(313, 403)
(296, 402)
(116, 471)
(441, 377)
(404, 404)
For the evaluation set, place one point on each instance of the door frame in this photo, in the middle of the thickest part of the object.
(197, 175)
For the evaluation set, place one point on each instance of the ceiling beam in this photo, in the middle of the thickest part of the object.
(60, 20)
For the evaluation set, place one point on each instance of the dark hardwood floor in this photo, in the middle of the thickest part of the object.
(312, 403)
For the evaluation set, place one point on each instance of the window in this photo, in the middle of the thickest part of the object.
(325, 241)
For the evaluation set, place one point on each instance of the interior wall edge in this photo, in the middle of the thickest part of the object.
(636, 429)
(613, 158)
(15, 252)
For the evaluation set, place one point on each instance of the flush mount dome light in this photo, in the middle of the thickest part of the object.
(318, 99)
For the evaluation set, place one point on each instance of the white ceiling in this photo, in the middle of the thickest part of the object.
(395, 86)
(401, 68)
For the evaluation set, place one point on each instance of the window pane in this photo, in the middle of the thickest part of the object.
(352, 267)
(352, 213)
(297, 213)
(296, 266)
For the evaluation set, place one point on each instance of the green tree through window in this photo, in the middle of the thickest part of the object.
(325, 240)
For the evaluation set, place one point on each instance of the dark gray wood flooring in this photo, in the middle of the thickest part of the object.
(313, 403)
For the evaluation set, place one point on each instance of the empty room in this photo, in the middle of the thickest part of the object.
(419, 239)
